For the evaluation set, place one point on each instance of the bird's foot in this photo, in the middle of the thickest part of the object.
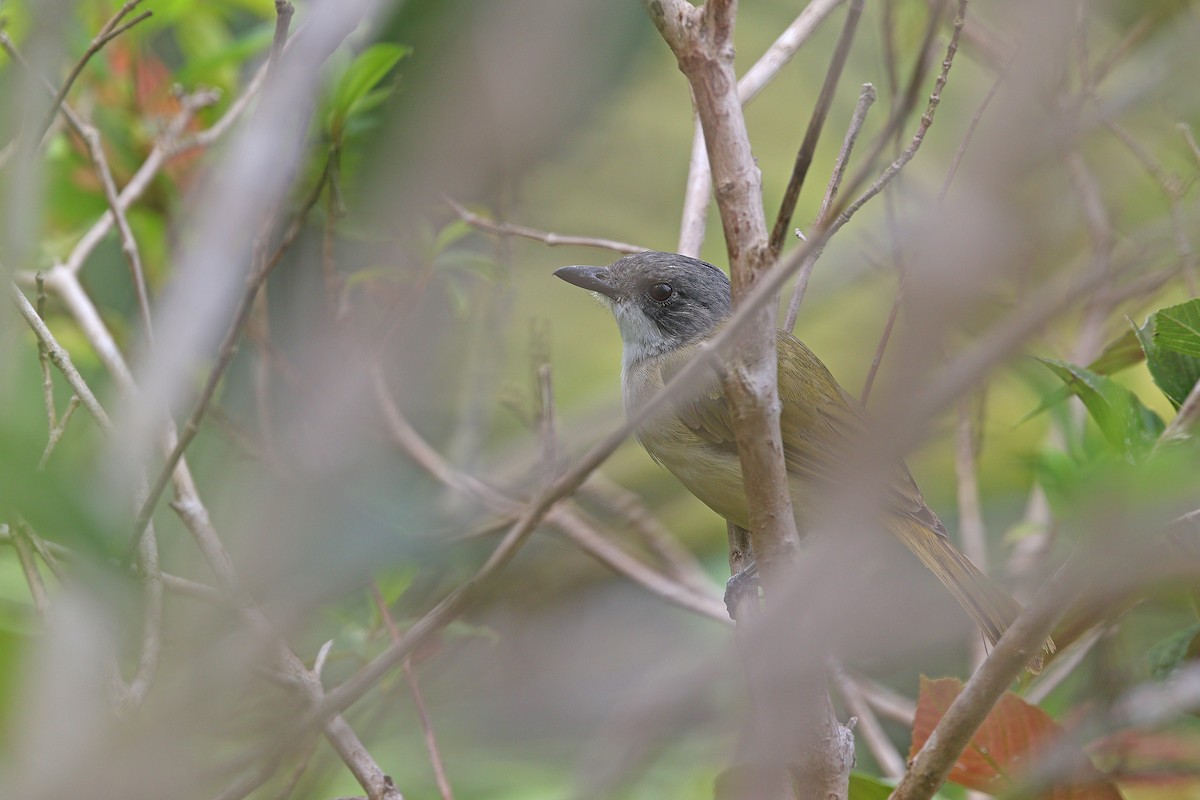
(742, 590)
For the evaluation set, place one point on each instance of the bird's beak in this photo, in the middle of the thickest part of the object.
(596, 279)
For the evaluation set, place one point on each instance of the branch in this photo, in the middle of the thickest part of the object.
(970, 513)
(568, 521)
(37, 588)
(410, 677)
(91, 139)
(866, 98)
(552, 239)
(889, 759)
(929, 768)
(815, 123)
(225, 353)
(918, 137)
(60, 358)
(769, 65)
(109, 32)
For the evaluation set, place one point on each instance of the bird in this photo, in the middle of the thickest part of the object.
(666, 306)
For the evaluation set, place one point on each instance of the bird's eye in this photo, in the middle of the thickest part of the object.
(661, 292)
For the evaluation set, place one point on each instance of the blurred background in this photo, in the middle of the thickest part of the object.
(410, 374)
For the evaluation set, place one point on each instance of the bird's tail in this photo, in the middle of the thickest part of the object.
(989, 605)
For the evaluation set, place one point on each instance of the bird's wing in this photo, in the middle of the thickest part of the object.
(820, 422)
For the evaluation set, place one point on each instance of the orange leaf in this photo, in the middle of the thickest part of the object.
(1012, 737)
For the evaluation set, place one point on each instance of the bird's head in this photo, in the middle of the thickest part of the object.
(662, 301)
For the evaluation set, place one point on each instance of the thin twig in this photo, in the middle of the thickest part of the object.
(56, 433)
(1189, 136)
(970, 134)
(225, 353)
(866, 97)
(91, 138)
(881, 747)
(699, 183)
(129, 245)
(885, 336)
(410, 677)
(566, 520)
(928, 770)
(971, 528)
(904, 104)
(816, 123)
(1174, 189)
(677, 559)
(37, 588)
(60, 358)
(843, 216)
(43, 361)
(551, 239)
(1061, 667)
(111, 30)
(164, 150)
(886, 700)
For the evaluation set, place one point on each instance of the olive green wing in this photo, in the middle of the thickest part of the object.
(823, 424)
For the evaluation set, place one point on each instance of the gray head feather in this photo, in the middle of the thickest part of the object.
(698, 300)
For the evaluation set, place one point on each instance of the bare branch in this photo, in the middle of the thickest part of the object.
(37, 589)
(56, 433)
(885, 336)
(772, 61)
(44, 362)
(866, 97)
(60, 357)
(1174, 189)
(928, 770)
(881, 747)
(970, 512)
(568, 521)
(129, 244)
(816, 122)
(225, 352)
(1061, 667)
(410, 677)
(843, 216)
(970, 135)
(552, 239)
(111, 30)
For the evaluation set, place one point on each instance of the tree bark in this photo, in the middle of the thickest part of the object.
(796, 747)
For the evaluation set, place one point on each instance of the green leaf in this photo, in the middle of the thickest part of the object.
(450, 233)
(1178, 328)
(864, 787)
(353, 93)
(1168, 653)
(1127, 425)
(1121, 353)
(1172, 348)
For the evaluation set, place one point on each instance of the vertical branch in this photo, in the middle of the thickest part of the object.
(816, 123)
(410, 677)
(699, 181)
(33, 577)
(866, 98)
(970, 513)
(44, 361)
(799, 748)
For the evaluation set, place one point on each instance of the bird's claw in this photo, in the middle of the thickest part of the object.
(742, 589)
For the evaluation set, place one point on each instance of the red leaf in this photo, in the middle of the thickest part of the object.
(1012, 737)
